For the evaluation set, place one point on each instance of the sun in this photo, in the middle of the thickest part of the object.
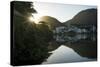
(35, 18)
(31, 19)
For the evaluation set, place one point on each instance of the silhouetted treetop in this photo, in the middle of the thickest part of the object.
(24, 7)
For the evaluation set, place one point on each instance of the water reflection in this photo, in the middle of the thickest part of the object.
(77, 48)
(74, 38)
(65, 54)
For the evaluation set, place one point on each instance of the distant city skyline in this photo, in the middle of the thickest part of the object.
(62, 12)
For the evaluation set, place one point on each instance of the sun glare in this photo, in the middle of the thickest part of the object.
(37, 17)
(31, 19)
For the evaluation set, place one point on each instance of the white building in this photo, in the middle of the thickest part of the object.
(59, 29)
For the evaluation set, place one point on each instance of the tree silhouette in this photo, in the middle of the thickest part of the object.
(30, 43)
(25, 8)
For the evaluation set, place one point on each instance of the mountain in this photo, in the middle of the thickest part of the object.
(51, 21)
(88, 16)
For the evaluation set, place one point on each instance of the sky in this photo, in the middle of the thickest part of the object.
(62, 12)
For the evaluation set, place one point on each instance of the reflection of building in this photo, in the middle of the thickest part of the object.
(76, 37)
(74, 33)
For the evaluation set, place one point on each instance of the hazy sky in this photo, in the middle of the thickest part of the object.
(62, 12)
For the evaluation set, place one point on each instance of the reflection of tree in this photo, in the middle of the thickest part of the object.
(53, 45)
(85, 48)
(30, 40)
(84, 44)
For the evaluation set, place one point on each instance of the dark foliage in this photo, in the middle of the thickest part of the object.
(30, 39)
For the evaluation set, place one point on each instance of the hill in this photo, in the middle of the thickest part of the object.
(88, 16)
(51, 21)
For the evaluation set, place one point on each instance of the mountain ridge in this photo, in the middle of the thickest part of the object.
(88, 16)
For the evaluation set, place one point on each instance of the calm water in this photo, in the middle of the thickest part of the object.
(65, 54)
(81, 47)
